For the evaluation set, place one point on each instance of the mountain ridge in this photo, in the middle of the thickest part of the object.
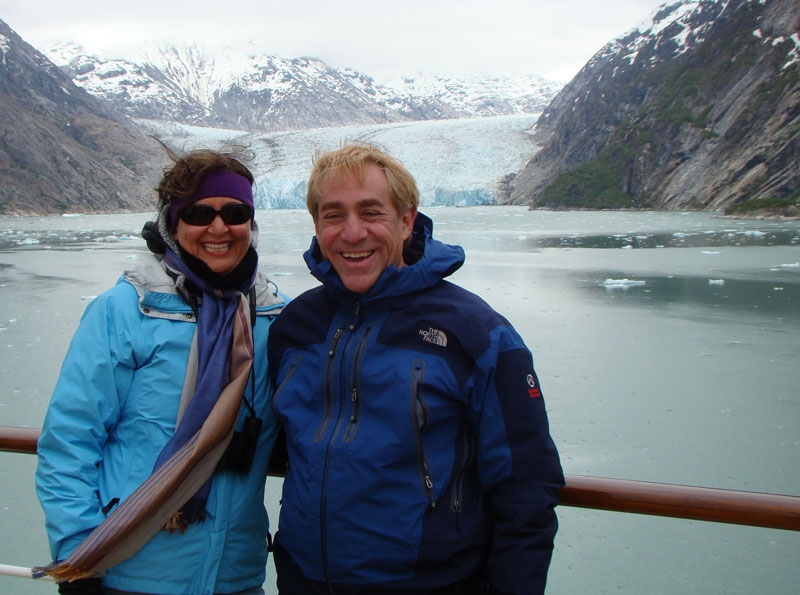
(270, 93)
(102, 163)
(698, 110)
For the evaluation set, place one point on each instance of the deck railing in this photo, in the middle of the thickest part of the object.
(756, 509)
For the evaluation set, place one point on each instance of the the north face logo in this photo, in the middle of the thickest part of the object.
(434, 336)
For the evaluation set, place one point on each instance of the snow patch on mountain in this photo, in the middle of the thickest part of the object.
(679, 26)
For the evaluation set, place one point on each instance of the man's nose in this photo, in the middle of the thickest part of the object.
(354, 229)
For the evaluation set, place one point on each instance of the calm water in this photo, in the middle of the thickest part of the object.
(668, 346)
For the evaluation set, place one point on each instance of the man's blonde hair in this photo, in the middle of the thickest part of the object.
(354, 159)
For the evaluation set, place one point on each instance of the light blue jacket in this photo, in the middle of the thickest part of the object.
(114, 407)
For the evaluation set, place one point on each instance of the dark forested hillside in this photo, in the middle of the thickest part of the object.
(701, 111)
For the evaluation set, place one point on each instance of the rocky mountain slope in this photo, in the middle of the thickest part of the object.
(270, 93)
(61, 149)
(72, 139)
(698, 109)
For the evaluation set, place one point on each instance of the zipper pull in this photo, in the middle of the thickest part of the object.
(354, 400)
(336, 336)
(429, 485)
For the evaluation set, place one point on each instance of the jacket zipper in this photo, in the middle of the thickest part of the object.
(355, 390)
(467, 454)
(327, 393)
(329, 381)
(419, 418)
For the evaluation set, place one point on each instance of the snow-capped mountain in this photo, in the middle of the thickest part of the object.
(481, 95)
(695, 108)
(268, 93)
(676, 27)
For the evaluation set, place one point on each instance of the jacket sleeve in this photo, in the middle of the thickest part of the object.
(83, 408)
(519, 467)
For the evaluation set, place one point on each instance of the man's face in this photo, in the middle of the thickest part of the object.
(359, 229)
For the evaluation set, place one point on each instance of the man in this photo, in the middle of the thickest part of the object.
(420, 459)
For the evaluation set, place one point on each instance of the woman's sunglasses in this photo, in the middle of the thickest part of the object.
(234, 214)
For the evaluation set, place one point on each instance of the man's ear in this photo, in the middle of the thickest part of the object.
(408, 221)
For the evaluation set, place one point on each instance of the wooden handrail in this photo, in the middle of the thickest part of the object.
(21, 440)
(755, 509)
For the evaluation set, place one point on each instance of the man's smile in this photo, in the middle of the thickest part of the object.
(357, 255)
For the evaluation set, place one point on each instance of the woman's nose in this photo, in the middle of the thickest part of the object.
(218, 225)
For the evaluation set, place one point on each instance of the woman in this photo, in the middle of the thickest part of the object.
(151, 460)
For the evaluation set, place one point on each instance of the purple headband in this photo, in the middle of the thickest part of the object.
(220, 182)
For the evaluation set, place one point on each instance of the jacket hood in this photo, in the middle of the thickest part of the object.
(428, 262)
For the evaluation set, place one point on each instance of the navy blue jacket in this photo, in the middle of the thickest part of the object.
(418, 441)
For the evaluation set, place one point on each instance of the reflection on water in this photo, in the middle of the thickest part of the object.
(668, 345)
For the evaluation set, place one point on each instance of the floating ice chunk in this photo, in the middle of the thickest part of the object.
(87, 298)
(709, 252)
(621, 283)
(790, 266)
(716, 281)
(777, 289)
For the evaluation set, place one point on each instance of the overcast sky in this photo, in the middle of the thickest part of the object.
(551, 38)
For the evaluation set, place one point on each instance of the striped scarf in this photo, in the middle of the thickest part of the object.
(175, 492)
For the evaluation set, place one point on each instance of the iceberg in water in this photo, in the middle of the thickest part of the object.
(621, 283)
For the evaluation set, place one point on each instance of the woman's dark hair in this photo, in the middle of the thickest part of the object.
(181, 179)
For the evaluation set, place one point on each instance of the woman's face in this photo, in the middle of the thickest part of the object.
(221, 246)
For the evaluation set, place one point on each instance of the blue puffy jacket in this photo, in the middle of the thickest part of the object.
(114, 407)
(418, 441)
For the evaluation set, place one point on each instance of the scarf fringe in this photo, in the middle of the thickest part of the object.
(62, 572)
(176, 523)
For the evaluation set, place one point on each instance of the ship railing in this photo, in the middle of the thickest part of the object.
(775, 511)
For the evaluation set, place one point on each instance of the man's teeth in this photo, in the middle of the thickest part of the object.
(217, 247)
(356, 254)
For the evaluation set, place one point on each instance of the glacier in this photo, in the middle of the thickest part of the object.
(455, 162)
